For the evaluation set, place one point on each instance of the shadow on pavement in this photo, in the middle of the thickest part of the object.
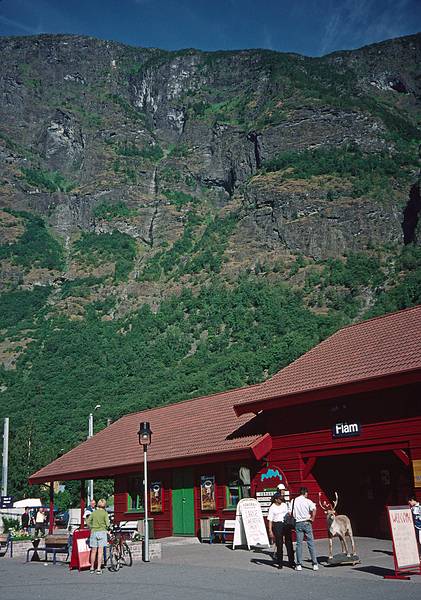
(262, 561)
(384, 552)
(373, 570)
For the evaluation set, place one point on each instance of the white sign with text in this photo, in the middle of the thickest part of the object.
(250, 526)
(404, 540)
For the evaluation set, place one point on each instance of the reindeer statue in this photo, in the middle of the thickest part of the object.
(338, 526)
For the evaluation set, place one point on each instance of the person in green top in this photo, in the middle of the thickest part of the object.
(98, 522)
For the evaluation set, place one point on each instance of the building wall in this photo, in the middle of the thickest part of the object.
(389, 441)
(304, 449)
(163, 521)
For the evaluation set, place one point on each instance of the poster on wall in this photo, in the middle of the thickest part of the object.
(207, 492)
(156, 497)
(416, 466)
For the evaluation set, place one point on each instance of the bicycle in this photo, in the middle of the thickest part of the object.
(120, 553)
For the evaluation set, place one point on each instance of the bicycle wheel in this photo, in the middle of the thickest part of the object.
(126, 555)
(115, 558)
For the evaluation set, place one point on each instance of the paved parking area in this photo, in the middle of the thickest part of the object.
(190, 571)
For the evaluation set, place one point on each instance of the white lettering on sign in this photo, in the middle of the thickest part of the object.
(346, 429)
(404, 538)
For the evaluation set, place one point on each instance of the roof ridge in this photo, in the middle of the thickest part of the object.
(334, 335)
(385, 316)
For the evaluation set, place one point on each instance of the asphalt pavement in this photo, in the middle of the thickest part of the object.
(197, 571)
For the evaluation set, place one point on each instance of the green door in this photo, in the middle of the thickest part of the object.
(183, 502)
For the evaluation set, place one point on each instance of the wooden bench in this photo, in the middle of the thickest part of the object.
(54, 544)
(227, 528)
(6, 543)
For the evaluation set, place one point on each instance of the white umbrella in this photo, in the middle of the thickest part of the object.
(28, 503)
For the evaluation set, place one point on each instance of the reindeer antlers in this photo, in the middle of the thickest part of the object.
(326, 505)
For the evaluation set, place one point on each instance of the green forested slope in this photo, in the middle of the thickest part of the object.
(173, 224)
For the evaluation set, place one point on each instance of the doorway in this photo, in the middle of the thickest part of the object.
(183, 502)
(366, 483)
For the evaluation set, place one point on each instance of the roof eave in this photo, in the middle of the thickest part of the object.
(325, 393)
(254, 451)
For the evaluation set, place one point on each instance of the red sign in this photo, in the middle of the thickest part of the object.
(268, 478)
(80, 550)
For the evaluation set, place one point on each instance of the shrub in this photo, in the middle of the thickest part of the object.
(9, 523)
(179, 199)
(115, 247)
(50, 181)
(21, 306)
(108, 211)
(36, 247)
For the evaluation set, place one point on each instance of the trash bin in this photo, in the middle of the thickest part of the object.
(141, 528)
(206, 524)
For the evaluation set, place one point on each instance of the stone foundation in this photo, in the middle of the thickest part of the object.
(155, 550)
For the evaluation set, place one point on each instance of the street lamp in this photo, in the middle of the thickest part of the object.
(145, 437)
(90, 434)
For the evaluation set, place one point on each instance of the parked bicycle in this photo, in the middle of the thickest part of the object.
(120, 553)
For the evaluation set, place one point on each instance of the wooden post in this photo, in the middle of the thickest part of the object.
(51, 519)
(82, 503)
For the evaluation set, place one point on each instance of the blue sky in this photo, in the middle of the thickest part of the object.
(311, 27)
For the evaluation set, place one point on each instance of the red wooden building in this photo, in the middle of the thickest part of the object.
(344, 417)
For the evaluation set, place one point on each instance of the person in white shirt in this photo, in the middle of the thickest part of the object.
(40, 520)
(89, 509)
(278, 531)
(304, 512)
(415, 507)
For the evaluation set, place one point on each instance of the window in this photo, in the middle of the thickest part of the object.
(238, 485)
(135, 495)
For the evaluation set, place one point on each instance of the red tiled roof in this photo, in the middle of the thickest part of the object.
(201, 426)
(380, 347)
(207, 426)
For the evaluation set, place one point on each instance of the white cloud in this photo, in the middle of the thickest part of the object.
(18, 25)
(354, 23)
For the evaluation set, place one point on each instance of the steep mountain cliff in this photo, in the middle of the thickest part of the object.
(175, 223)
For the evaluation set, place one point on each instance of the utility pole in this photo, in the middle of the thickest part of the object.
(5, 456)
(90, 434)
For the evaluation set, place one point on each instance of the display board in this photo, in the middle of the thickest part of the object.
(264, 499)
(80, 550)
(250, 528)
(405, 547)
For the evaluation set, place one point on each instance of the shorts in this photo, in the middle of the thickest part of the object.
(98, 539)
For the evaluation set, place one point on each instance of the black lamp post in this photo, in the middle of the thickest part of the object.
(145, 437)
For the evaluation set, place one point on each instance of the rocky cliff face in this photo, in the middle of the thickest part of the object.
(88, 125)
(174, 224)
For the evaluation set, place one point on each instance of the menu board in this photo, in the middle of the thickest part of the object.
(250, 526)
(405, 548)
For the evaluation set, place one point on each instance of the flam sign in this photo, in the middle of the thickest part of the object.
(340, 430)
